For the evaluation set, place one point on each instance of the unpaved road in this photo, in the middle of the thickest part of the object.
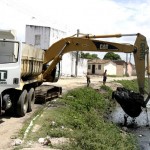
(9, 126)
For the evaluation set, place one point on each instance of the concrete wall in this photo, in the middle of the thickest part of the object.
(56, 35)
(68, 65)
(38, 36)
(120, 70)
(111, 68)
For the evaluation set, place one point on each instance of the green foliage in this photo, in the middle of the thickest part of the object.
(107, 92)
(132, 84)
(129, 84)
(111, 56)
(89, 56)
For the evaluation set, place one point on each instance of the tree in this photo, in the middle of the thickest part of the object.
(112, 56)
(89, 56)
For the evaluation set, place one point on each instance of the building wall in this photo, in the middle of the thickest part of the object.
(82, 67)
(97, 69)
(38, 36)
(111, 68)
(56, 35)
(68, 65)
(129, 69)
(100, 68)
(119, 70)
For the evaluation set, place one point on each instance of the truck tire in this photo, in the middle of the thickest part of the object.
(22, 104)
(31, 99)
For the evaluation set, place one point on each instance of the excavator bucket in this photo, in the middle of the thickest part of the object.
(130, 101)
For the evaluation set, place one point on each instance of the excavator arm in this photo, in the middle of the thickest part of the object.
(140, 51)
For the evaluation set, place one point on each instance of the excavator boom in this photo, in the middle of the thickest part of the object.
(85, 44)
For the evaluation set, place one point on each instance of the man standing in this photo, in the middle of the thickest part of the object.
(104, 77)
(88, 79)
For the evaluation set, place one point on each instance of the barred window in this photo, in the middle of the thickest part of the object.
(99, 67)
(37, 39)
(89, 66)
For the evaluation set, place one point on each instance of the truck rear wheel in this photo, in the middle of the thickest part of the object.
(31, 99)
(22, 104)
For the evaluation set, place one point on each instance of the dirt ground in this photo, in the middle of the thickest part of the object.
(9, 126)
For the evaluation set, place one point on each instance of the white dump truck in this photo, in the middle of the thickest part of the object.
(21, 68)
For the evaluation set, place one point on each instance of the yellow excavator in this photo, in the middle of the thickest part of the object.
(131, 102)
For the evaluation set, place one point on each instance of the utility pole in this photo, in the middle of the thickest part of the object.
(77, 58)
(126, 72)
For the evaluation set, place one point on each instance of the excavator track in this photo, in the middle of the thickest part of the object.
(45, 93)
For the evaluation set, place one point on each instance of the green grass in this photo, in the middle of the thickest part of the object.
(129, 84)
(79, 116)
(132, 84)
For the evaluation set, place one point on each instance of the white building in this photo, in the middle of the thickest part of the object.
(69, 65)
(43, 37)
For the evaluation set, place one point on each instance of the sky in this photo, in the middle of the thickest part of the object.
(89, 16)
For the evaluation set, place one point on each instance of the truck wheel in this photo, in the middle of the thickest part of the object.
(22, 104)
(31, 99)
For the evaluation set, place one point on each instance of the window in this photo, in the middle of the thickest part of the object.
(89, 66)
(37, 40)
(8, 51)
(99, 67)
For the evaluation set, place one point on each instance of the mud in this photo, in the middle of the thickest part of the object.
(140, 127)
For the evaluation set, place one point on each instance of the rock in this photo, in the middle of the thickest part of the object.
(17, 142)
(62, 127)
(140, 135)
(125, 129)
(53, 123)
(47, 141)
(69, 96)
(41, 140)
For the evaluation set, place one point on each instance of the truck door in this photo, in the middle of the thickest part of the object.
(10, 66)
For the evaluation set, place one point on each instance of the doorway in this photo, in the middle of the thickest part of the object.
(93, 69)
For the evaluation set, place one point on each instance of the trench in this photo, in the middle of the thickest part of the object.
(140, 127)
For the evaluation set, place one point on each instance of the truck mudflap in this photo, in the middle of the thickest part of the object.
(44, 93)
(130, 101)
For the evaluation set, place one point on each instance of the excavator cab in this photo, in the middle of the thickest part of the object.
(55, 72)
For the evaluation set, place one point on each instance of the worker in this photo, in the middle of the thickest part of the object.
(104, 77)
(88, 79)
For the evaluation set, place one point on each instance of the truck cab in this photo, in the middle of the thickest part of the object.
(9, 61)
